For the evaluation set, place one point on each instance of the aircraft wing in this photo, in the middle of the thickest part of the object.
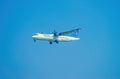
(69, 32)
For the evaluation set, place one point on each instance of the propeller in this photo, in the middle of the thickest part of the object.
(55, 36)
(55, 33)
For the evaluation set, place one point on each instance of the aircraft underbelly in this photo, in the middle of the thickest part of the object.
(59, 38)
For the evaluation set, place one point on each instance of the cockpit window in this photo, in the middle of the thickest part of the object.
(36, 33)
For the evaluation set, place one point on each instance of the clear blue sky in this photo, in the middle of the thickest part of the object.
(95, 56)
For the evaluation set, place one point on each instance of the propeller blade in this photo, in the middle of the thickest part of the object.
(55, 33)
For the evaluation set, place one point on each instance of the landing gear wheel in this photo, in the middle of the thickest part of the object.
(56, 41)
(50, 42)
(34, 40)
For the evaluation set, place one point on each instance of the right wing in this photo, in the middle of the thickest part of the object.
(69, 32)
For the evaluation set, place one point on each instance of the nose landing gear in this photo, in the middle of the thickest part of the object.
(50, 42)
(34, 40)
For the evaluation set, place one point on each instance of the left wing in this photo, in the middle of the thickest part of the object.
(69, 32)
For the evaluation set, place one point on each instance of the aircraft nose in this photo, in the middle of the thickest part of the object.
(33, 36)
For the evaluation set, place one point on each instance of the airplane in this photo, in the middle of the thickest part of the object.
(58, 37)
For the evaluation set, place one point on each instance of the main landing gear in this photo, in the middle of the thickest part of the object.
(54, 41)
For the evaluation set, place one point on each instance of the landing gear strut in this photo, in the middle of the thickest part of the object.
(34, 40)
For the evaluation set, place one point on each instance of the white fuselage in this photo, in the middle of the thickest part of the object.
(51, 38)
